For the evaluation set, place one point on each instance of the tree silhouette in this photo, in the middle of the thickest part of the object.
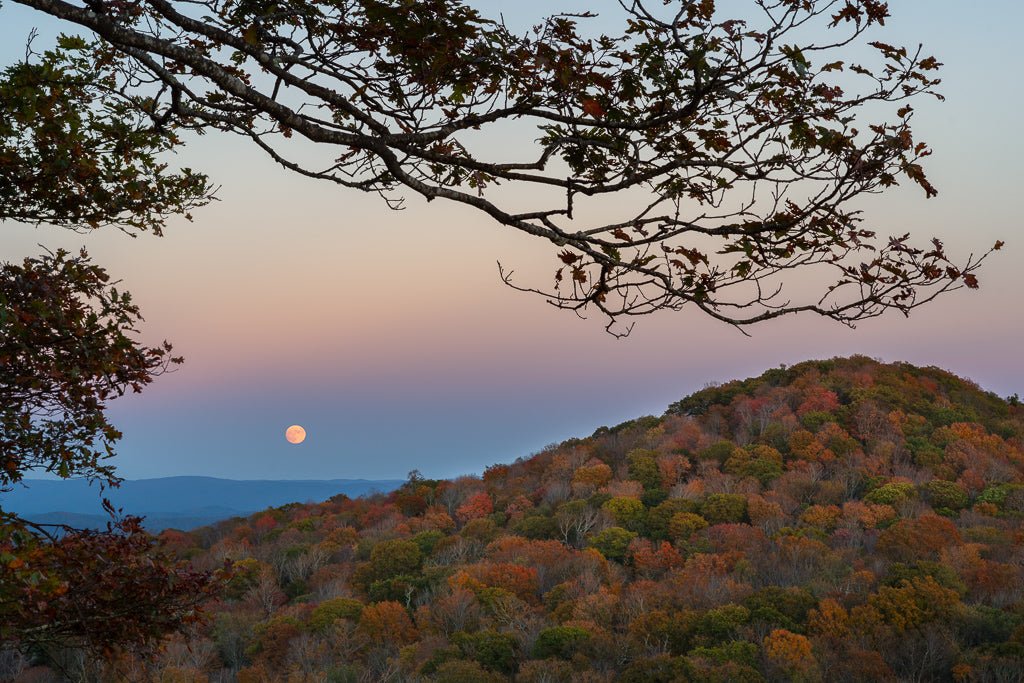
(690, 159)
(67, 346)
(74, 153)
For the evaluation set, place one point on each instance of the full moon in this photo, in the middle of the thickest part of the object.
(295, 434)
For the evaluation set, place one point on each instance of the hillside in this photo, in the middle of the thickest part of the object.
(840, 520)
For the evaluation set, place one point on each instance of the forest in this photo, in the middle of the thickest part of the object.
(837, 520)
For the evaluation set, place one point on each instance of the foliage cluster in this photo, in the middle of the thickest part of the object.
(688, 155)
(656, 551)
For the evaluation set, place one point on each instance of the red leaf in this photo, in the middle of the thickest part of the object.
(593, 108)
(568, 257)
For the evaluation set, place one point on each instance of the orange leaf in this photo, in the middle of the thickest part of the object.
(593, 108)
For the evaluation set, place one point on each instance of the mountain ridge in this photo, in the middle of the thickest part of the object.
(841, 520)
(195, 500)
(836, 520)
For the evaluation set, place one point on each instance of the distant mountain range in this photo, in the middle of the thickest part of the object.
(174, 502)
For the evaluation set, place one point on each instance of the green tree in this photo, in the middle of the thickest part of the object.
(892, 493)
(720, 508)
(761, 462)
(998, 494)
(659, 517)
(722, 623)
(657, 669)
(427, 541)
(643, 467)
(738, 651)
(461, 671)
(942, 574)
(330, 611)
(612, 542)
(395, 557)
(945, 495)
(683, 525)
(627, 512)
(719, 451)
(492, 650)
(560, 641)
(781, 607)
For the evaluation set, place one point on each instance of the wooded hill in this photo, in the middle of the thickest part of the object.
(838, 520)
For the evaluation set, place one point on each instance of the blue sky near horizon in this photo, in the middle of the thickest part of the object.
(275, 296)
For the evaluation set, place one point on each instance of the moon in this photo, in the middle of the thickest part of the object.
(295, 434)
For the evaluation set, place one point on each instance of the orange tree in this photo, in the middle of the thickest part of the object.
(689, 159)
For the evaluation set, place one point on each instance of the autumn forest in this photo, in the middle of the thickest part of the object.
(840, 520)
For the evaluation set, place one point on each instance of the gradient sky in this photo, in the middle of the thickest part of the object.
(389, 336)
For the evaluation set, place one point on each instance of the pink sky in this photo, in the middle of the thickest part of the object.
(389, 336)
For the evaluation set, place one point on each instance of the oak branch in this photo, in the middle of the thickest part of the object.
(689, 159)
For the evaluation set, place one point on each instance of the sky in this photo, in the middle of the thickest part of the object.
(390, 337)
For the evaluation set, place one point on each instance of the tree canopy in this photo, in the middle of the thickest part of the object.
(74, 153)
(886, 546)
(690, 159)
(67, 346)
